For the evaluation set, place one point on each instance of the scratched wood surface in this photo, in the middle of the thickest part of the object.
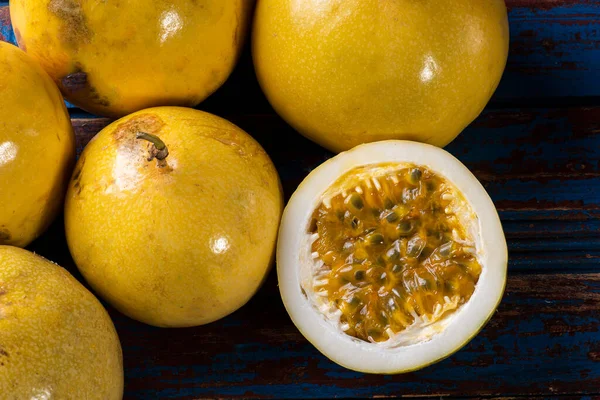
(536, 149)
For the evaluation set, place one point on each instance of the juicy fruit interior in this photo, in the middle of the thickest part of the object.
(391, 251)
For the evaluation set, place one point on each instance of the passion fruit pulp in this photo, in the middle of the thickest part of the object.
(391, 256)
(391, 250)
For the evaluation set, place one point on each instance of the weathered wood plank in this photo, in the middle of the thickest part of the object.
(540, 166)
(544, 340)
(523, 157)
(555, 52)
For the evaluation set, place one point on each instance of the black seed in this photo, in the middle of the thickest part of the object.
(415, 175)
(376, 212)
(393, 254)
(396, 269)
(359, 275)
(312, 228)
(376, 238)
(388, 204)
(405, 227)
(356, 201)
(354, 223)
(392, 217)
(426, 253)
(430, 186)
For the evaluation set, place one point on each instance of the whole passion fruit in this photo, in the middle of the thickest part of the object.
(37, 148)
(115, 57)
(172, 216)
(345, 72)
(391, 256)
(56, 339)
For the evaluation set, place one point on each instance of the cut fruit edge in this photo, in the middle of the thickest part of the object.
(449, 334)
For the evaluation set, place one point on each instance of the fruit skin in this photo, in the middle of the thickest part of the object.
(56, 339)
(129, 55)
(293, 255)
(37, 148)
(345, 72)
(179, 245)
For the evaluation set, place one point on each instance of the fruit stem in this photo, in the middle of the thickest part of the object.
(159, 149)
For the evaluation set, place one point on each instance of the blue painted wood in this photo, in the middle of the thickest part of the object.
(541, 167)
(543, 340)
(555, 49)
(555, 53)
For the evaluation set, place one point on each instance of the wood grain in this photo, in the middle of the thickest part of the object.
(555, 53)
(543, 340)
(541, 166)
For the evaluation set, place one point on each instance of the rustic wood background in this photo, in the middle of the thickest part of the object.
(536, 149)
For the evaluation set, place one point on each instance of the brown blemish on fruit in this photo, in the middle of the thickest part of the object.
(77, 85)
(232, 138)
(5, 235)
(74, 25)
(148, 123)
(3, 356)
(77, 176)
(126, 135)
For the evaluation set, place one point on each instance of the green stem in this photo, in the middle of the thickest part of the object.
(160, 148)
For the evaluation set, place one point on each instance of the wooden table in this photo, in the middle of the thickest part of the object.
(536, 149)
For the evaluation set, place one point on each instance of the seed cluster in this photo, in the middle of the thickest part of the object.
(391, 252)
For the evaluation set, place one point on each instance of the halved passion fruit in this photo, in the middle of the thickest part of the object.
(391, 257)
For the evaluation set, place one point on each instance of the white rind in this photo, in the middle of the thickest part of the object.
(451, 333)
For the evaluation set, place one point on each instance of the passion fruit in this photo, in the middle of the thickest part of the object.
(115, 57)
(56, 339)
(172, 216)
(345, 72)
(37, 148)
(391, 256)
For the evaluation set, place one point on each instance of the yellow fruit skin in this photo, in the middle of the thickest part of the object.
(179, 245)
(37, 148)
(56, 339)
(136, 53)
(345, 72)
